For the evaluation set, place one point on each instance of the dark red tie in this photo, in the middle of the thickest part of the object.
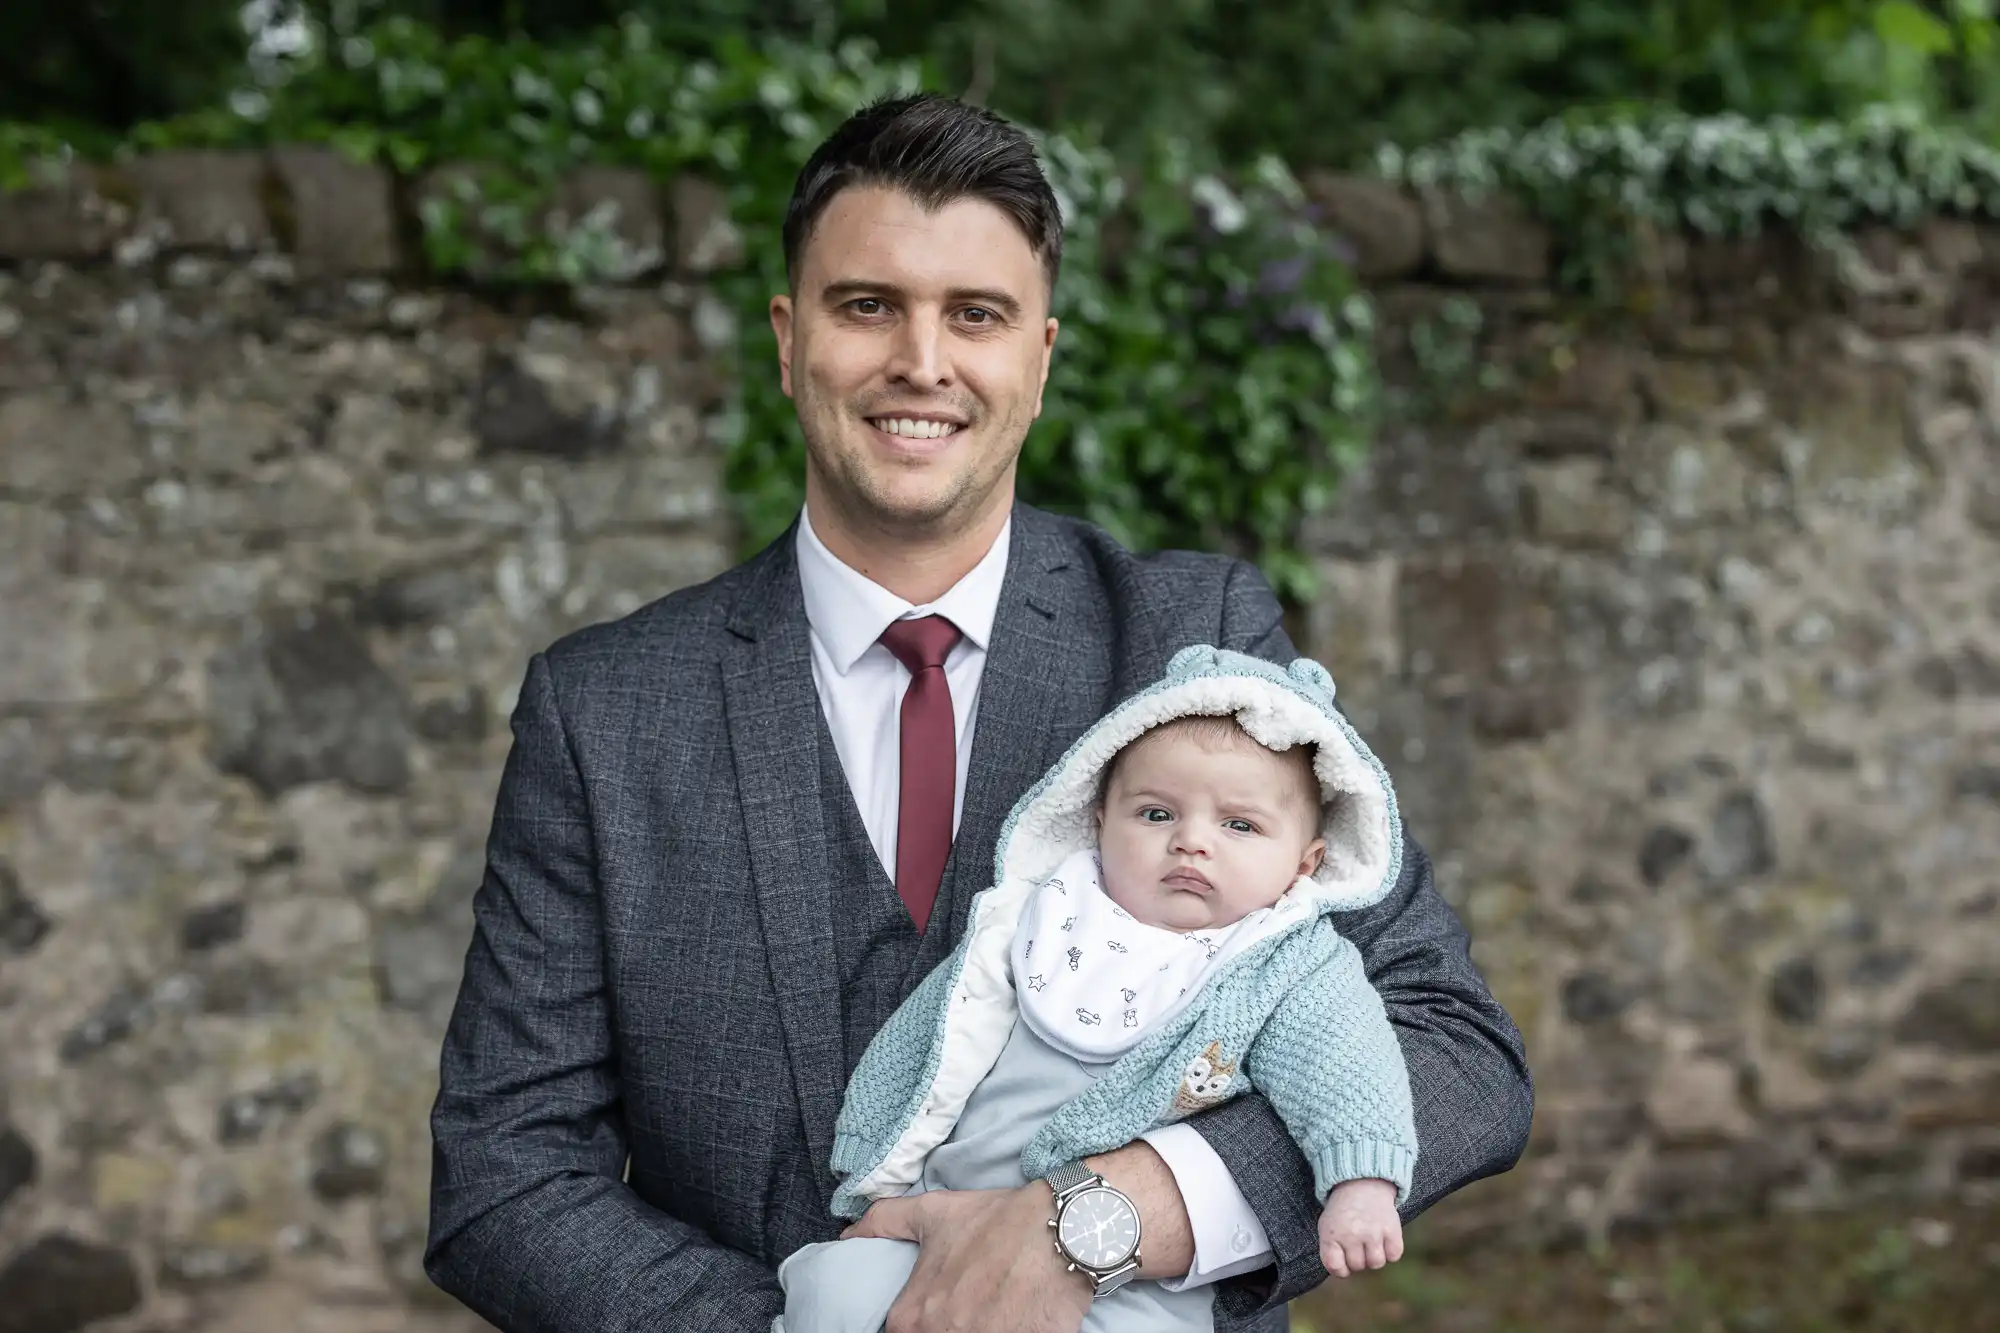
(929, 761)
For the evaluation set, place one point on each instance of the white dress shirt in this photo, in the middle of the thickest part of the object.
(861, 686)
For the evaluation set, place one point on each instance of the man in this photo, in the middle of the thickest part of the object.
(737, 826)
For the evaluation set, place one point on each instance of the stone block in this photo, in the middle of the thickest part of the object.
(61, 1283)
(1570, 503)
(544, 406)
(188, 1267)
(299, 698)
(1565, 435)
(67, 214)
(1483, 631)
(348, 1161)
(56, 447)
(420, 957)
(654, 490)
(17, 1163)
(429, 593)
(1487, 238)
(1590, 998)
(1352, 625)
(341, 214)
(22, 924)
(1739, 845)
(459, 718)
(1961, 1014)
(1796, 991)
(67, 642)
(1383, 224)
(205, 200)
(622, 200)
(1527, 712)
(1696, 1102)
(1715, 1182)
(1983, 508)
(1953, 245)
(705, 240)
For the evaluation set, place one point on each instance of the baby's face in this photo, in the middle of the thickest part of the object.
(1196, 834)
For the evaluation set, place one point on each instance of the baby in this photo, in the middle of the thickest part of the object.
(1156, 941)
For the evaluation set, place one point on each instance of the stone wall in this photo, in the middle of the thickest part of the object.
(1684, 647)
(1683, 641)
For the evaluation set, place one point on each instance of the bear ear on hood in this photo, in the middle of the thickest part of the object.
(1314, 677)
(1194, 659)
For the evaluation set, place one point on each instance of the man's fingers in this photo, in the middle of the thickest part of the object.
(887, 1219)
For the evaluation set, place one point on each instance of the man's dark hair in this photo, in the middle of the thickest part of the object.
(936, 150)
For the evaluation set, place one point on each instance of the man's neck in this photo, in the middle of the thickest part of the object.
(918, 569)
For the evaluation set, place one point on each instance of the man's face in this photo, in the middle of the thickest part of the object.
(915, 349)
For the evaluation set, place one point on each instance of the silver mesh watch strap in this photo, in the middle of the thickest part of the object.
(1069, 1176)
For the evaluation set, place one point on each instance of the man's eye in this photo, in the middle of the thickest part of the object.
(867, 305)
(979, 315)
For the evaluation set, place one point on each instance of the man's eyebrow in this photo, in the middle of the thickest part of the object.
(835, 293)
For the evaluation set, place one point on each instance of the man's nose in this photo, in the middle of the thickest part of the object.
(921, 358)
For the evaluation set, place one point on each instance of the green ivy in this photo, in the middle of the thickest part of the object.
(1598, 180)
(1214, 373)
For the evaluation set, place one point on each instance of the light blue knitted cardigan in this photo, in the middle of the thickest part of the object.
(1292, 1016)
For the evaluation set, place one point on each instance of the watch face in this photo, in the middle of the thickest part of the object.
(1099, 1229)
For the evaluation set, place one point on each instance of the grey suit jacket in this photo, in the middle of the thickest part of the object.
(652, 974)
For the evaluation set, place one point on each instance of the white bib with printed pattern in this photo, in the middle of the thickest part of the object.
(1093, 981)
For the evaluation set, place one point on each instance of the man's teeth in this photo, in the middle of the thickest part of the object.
(916, 430)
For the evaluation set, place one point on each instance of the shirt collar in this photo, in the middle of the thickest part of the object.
(849, 611)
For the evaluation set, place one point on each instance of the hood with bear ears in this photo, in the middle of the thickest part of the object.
(1278, 707)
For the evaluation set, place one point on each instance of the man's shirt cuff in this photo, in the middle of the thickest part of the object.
(1228, 1238)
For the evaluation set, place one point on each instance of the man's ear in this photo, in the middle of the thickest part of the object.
(781, 325)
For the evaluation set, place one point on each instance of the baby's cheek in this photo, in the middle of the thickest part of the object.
(1129, 887)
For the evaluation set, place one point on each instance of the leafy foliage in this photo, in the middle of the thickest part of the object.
(108, 63)
(1214, 373)
(1323, 82)
(1597, 180)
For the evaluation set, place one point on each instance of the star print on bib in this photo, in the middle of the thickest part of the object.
(1140, 975)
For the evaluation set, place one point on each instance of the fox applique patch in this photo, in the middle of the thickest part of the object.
(1204, 1082)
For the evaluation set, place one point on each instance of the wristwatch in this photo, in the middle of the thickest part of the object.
(1096, 1228)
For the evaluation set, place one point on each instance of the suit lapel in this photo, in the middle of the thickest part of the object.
(1012, 731)
(774, 725)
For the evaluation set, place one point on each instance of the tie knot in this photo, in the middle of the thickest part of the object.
(921, 643)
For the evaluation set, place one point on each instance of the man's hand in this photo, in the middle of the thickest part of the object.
(988, 1263)
(1359, 1227)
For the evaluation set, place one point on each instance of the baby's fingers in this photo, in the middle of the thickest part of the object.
(1374, 1251)
(1334, 1258)
(1395, 1244)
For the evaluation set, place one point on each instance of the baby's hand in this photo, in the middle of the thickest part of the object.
(1359, 1228)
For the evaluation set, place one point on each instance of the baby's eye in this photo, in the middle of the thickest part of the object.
(1239, 826)
(1153, 814)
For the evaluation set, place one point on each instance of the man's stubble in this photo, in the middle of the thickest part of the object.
(863, 491)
